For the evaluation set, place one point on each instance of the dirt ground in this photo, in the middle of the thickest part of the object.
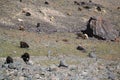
(58, 20)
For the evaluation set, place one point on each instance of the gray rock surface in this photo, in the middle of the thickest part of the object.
(85, 69)
(101, 29)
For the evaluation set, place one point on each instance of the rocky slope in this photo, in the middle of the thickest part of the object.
(56, 16)
(49, 27)
(78, 69)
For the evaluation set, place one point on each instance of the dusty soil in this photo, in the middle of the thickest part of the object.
(57, 16)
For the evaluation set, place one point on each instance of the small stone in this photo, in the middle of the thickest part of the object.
(63, 64)
(51, 18)
(81, 48)
(29, 78)
(22, 28)
(14, 52)
(87, 7)
(118, 8)
(9, 60)
(11, 66)
(98, 8)
(38, 25)
(85, 36)
(73, 68)
(111, 76)
(79, 9)
(52, 68)
(21, 78)
(49, 54)
(53, 77)
(100, 67)
(65, 40)
(92, 55)
(26, 74)
(76, 3)
(30, 62)
(69, 14)
(28, 14)
(16, 74)
(5, 66)
(2, 77)
(37, 76)
(20, 20)
(90, 1)
(20, 0)
(46, 2)
(26, 57)
(23, 45)
(84, 73)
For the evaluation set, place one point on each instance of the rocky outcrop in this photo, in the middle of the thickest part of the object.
(101, 29)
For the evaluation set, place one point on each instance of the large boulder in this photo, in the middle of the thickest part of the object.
(101, 29)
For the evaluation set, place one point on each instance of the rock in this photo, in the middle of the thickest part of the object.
(101, 67)
(63, 64)
(76, 3)
(9, 60)
(81, 48)
(11, 66)
(80, 34)
(101, 29)
(79, 9)
(16, 73)
(117, 39)
(51, 18)
(85, 36)
(37, 76)
(111, 76)
(21, 78)
(52, 68)
(30, 62)
(92, 55)
(2, 77)
(90, 1)
(65, 40)
(23, 45)
(20, 20)
(49, 54)
(118, 8)
(26, 74)
(29, 78)
(73, 68)
(25, 57)
(38, 25)
(20, 0)
(98, 8)
(87, 5)
(5, 66)
(53, 77)
(46, 2)
(28, 14)
(69, 14)
(14, 52)
(21, 28)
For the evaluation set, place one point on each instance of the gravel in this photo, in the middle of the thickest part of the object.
(85, 69)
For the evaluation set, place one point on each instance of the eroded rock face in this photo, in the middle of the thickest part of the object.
(101, 29)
